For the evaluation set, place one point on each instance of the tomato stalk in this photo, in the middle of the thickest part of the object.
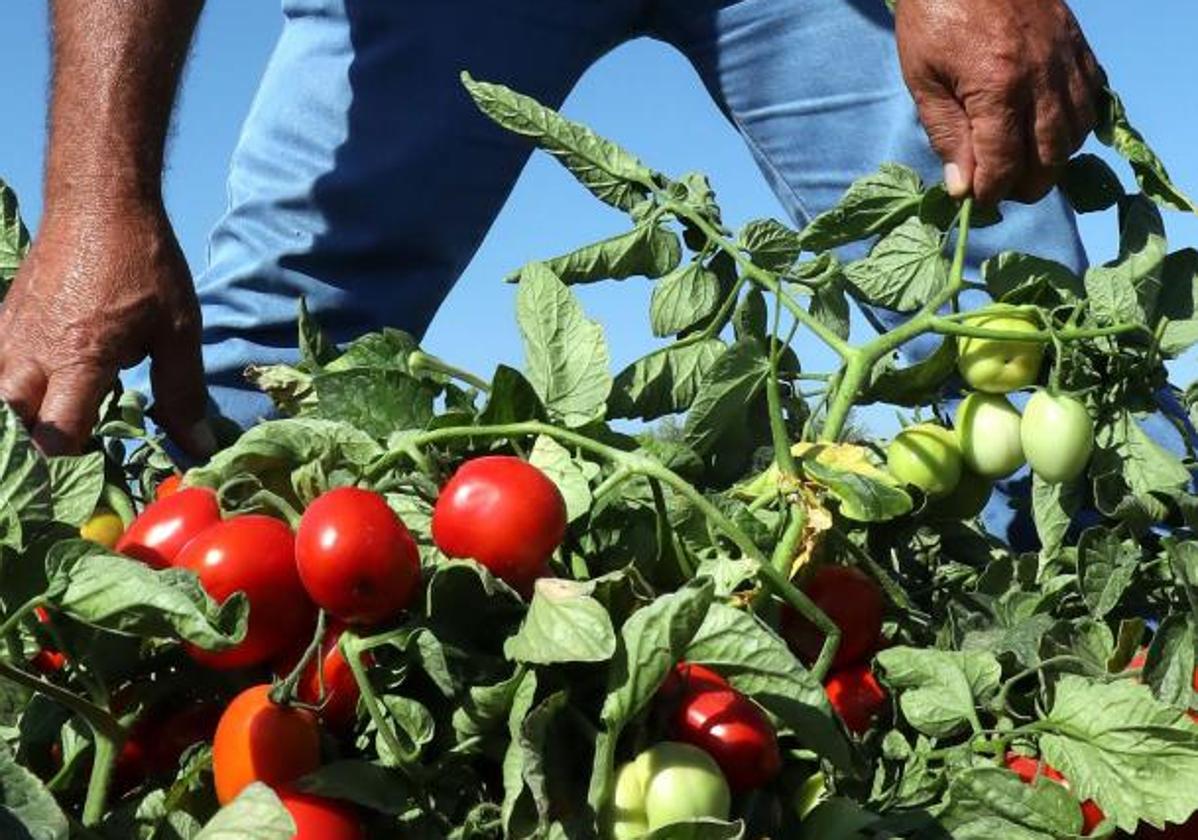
(284, 694)
(103, 762)
(421, 362)
(17, 615)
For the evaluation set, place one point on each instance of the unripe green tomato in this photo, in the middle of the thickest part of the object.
(668, 783)
(967, 500)
(988, 431)
(928, 456)
(1057, 435)
(1000, 365)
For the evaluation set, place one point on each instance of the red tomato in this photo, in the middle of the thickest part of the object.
(158, 740)
(853, 601)
(505, 514)
(341, 693)
(726, 725)
(356, 559)
(47, 661)
(162, 530)
(318, 818)
(251, 554)
(688, 677)
(170, 485)
(258, 740)
(1027, 769)
(857, 696)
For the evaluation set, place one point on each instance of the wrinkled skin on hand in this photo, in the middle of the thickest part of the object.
(98, 292)
(1007, 90)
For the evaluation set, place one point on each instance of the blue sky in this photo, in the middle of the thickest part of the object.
(670, 123)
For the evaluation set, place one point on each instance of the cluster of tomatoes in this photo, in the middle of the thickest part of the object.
(990, 439)
(350, 556)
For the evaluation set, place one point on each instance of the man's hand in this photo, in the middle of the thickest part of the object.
(105, 284)
(98, 292)
(1007, 90)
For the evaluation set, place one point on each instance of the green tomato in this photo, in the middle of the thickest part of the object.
(668, 783)
(928, 456)
(967, 500)
(997, 366)
(988, 431)
(1057, 435)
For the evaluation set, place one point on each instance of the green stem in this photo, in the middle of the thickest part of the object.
(96, 803)
(98, 718)
(10, 623)
(784, 551)
(613, 481)
(284, 693)
(421, 362)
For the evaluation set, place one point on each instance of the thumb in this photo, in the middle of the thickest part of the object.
(180, 396)
(947, 124)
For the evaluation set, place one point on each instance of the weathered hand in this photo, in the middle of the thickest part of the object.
(100, 291)
(1007, 90)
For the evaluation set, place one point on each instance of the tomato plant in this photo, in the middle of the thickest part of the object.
(853, 602)
(927, 456)
(724, 723)
(320, 818)
(720, 523)
(1057, 436)
(1028, 769)
(504, 513)
(258, 740)
(159, 533)
(666, 784)
(857, 697)
(987, 428)
(1000, 365)
(355, 557)
(253, 555)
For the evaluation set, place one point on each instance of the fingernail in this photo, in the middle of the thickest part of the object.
(202, 439)
(954, 182)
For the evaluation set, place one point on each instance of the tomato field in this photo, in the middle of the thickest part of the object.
(682, 600)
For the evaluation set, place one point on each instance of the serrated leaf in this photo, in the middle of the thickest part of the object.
(770, 244)
(567, 360)
(512, 399)
(1013, 277)
(991, 802)
(76, 483)
(564, 624)
(872, 205)
(612, 174)
(28, 810)
(863, 498)
(1053, 509)
(1177, 305)
(1106, 567)
(572, 477)
(24, 475)
(905, 269)
(914, 384)
(665, 381)
(683, 298)
(940, 688)
(731, 383)
(376, 400)
(1125, 290)
(1116, 744)
(14, 237)
(1115, 130)
(647, 250)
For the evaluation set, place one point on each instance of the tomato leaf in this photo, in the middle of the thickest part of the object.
(1129, 463)
(1012, 277)
(563, 624)
(1116, 744)
(1053, 509)
(733, 381)
(374, 400)
(770, 244)
(572, 477)
(940, 688)
(986, 802)
(361, 782)
(1106, 567)
(512, 399)
(14, 237)
(1177, 305)
(566, 353)
(76, 483)
(1115, 130)
(528, 751)
(666, 381)
(1125, 291)
(699, 830)
(862, 497)
(872, 205)
(256, 814)
(647, 250)
(912, 384)
(613, 175)
(1169, 668)
(683, 298)
(27, 808)
(24, 481)
(905, 269)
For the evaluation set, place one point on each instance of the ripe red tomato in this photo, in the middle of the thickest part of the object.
(318, 818)
(258, 740)
(162, 530)
(47, 661)
(1027, 769)
(504, 513)
(170, 485)
(853, 602)
(857, 696)
(339, 709)
(355, 557)
(725, 724)
(158, 740)
(255, 555)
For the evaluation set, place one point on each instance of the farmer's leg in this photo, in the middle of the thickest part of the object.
(365, 178)
(816, 91)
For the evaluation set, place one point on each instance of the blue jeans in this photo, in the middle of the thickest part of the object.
(361, 130)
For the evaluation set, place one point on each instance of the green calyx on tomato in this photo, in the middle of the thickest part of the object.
(668, 783)
(1057, 436)
(999, 365)
(987, 427)
(927, 456)
(503, 513)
